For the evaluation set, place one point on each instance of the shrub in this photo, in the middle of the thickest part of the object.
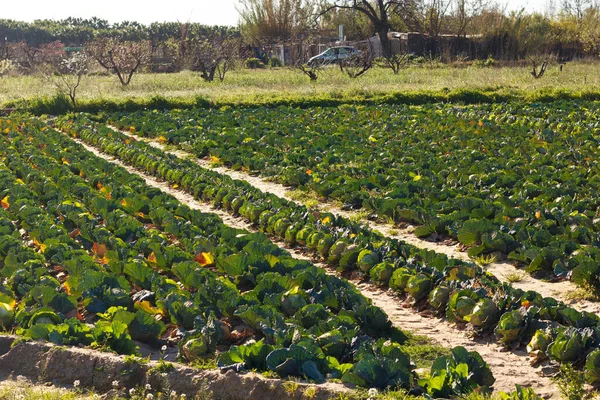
(254, 63)
(275, 62)
(489, 62)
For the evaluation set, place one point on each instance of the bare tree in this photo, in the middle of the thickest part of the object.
(576, 8)
(231, 48)
(463, 13)
(203, 58)
(68, 75)
(122, 58)
(378, 12)
(37, 55)
(358, 64)
(434, 15)
(214, 55)
(312, 70)
(534, 72)
(396, 62)
(356, 25)
(301, 55)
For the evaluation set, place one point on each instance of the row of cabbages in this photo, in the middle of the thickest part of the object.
(463, 291)
(551, 329)
(217, 288)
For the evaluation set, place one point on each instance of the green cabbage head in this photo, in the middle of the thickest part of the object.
(7, 316)
(367, 259)
(485, 314)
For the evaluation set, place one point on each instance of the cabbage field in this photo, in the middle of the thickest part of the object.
(517, 181)
(92, 255)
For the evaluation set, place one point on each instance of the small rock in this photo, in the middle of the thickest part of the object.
(549, 370)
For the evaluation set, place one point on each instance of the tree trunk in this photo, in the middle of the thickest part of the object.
(386, 44)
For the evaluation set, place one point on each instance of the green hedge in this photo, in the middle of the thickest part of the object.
(58, 105)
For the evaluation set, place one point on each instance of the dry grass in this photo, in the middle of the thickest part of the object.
(582, 293)
(306, 197)
(25, 390)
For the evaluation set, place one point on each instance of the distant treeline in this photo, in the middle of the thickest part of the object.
(75, 32)
(26, 47)
(481, 33)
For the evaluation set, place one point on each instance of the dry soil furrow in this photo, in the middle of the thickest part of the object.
(508, 368)
(502, 271)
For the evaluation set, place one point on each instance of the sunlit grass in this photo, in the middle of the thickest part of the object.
(515, 277)
(486, 259)
(23, 390)
(261, 85)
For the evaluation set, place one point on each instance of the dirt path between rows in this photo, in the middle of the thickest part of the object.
(502, 271)
(509, 368)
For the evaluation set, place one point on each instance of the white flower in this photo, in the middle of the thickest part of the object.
(115, 384)
(372, 392)
(164, 348)
(148, 387)
(131, 391)
(76, 383)
(183, 396)
(149, 396)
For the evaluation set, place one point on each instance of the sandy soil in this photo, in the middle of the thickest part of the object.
(115, 375)
(509, 368)
(502, 271)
